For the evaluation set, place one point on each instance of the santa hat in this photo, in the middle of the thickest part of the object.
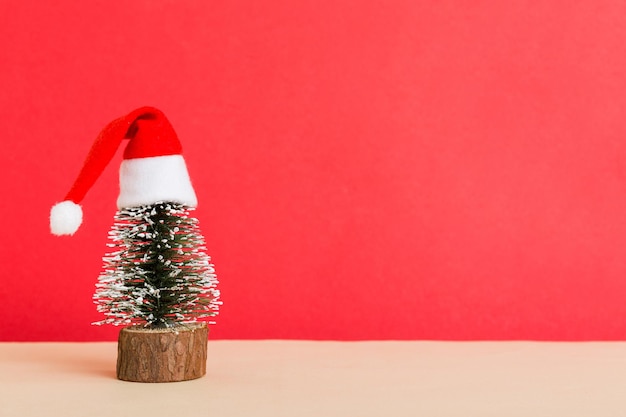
(153, 169)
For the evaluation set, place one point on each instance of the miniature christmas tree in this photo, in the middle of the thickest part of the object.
(158, 280)
(159, 275)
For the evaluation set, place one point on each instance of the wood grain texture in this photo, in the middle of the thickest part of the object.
(162, 355)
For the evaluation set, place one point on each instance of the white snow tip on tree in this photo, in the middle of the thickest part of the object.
(65, 218)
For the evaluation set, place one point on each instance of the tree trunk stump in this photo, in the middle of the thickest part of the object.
(162, 355)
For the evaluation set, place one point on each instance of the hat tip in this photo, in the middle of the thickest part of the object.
(65, 218)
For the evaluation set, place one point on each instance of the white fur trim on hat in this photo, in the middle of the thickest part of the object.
(65, 218)
(145, 181)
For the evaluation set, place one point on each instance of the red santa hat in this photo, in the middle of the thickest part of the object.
(153, 169)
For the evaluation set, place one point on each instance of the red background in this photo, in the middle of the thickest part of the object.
(365, 169)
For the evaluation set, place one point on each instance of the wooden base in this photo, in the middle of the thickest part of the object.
(162, 355)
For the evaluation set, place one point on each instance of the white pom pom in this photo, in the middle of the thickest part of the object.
(65, 218)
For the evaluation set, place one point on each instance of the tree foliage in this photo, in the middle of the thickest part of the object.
(158, 273)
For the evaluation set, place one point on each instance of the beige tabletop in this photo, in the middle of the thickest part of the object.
(298, 378)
